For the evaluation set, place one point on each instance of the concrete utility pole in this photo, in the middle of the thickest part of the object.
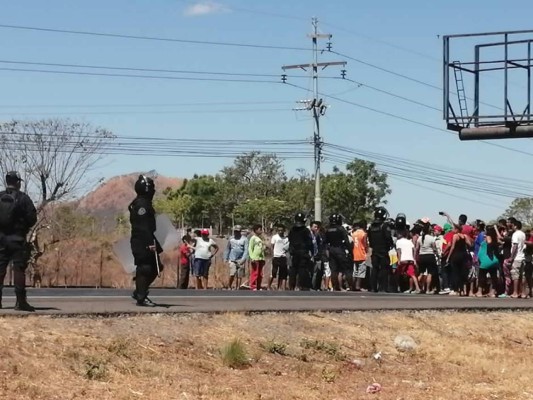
(316, 106)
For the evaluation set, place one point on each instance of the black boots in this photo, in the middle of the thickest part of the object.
(22, 303)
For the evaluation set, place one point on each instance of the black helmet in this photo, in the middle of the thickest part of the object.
(381, 213)
(144, 186)
(299, 219)
(401, 221)
(335, 219)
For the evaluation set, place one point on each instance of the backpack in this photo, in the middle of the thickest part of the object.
(8, 206)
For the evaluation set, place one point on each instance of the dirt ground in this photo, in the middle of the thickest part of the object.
(287, 356)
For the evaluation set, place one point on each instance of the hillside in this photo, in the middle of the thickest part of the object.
(113, 196)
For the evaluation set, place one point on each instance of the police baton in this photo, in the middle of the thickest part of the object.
(157, 260)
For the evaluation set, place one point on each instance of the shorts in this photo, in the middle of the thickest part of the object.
(359, 270)
(516, 268)
(407, 268)
(279, 266)
(327, 270)
(235, 269)
(201, 267)
(427, 264)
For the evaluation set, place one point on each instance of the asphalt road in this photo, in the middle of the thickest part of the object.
(118, 301)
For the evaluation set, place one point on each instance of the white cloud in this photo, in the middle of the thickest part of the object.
(204, 8)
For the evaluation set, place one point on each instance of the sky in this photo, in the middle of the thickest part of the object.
(402, 37)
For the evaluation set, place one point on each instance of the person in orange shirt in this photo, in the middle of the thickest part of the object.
(360, 250)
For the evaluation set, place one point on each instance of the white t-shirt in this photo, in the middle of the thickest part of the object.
(407, 249)
(202, 248)
(281, 245)
(519, 239)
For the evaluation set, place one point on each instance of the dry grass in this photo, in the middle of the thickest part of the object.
(288, 356)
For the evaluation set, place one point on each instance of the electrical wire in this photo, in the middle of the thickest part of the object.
(150, 38)
(409, 120)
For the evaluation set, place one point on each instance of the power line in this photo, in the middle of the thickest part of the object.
(135, 76)
(128, 105)
(411, 120)
(206, 111)
(149, 38)
(361, 84)
(139, 69)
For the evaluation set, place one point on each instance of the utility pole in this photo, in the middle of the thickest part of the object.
(316, 105)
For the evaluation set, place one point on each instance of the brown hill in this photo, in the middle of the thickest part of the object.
(112, 197)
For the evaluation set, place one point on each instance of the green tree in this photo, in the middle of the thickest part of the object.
(267, 211)
(522, 209)
(356, 192)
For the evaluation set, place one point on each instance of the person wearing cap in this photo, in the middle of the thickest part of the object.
(204, 250)
(17, 216)
(235, 255)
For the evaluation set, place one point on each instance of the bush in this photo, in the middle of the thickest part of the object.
(234, 355)
(274, 347)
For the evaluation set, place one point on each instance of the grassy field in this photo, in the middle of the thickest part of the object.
(268, 356)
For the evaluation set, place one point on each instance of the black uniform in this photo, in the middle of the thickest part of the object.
(301, 250)
(18, 216)
(339, 248)
(142, 219)
(380, 241)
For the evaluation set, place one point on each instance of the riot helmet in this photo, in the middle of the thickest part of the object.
(335, 219)
(299, 219)
(144, 186)
(380, 214)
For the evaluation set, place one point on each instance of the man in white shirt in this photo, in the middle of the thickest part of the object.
(517, 257)
(280, 246)
(203, 253)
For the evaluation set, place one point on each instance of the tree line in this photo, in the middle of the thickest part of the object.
(256, 188)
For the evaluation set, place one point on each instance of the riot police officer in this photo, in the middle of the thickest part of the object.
(339, 252)
(380, 241)
(144, 245)
(301, 250)
(17, 216)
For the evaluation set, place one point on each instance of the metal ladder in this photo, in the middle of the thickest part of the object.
(461, 94)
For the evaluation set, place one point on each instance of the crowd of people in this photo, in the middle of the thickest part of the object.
(386, 255)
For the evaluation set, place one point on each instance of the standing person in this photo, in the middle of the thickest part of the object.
(280, 247)
(319, 255)
(517, 257)
(426, 254)
(301, 250)
(360, 252)
(487, 256)
(17, 216)
(256, 252)
(184, 262)
(236, 255)
(446, 271)
(339, 253)
(458, 259)
(144, 245)
(528, 267)
(380, 241)
(204, 251)
(406, 261)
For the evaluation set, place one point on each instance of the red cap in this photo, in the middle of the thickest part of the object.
(205, 232)
(437, 228)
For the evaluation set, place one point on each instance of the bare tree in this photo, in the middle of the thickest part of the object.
(54, 157)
